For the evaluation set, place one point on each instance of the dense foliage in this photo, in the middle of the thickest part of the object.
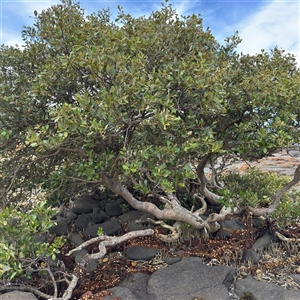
(256, 188)
(21, 252)
(138, 106)
(145, 102)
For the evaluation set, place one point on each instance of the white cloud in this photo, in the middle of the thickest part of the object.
(276, 24)
(21, 12)
(261, 25)
(10, 38)
(183, 7)
(25, 9)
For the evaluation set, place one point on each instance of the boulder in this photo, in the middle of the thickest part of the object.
(76, 239)
(294, 153)
(82, 221)
(98, 217)
(227, 227)
(41, 238)
(90, 219)
(78, 255)
(84, 204)
(111, 227)
(92, 230)
(141, 253)
(70, 216)
(63, 219)
(61, 228)
(114, 208)
(137, 283)
(135, 227)
(17, 295)
(171, 260)
(135, 217)
(191, 278)
(251, 255)
(263, 242)
(262, 290)
(91, 265)
(120, 293)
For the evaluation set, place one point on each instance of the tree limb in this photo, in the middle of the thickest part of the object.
(176, 231)
(277, 197)
(25, 288)
(108, 241)
(285, 239)
(172, 211)
(202, 210)
(212, 197)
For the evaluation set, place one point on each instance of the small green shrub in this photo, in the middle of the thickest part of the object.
(125, 207)
(255, 188)
(288, 210)
(100, 231)
(18, 247)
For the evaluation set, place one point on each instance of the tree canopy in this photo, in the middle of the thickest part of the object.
(140, 102)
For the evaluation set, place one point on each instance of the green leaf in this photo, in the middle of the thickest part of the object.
(100, 231)
(13, 275)
(187, 167)
(86, 100)
(112, 72)
(6, 268)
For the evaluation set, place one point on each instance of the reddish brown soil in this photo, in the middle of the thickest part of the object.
(113, 269)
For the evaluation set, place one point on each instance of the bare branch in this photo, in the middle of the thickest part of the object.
(53, 280)
(172, 211)
(112, 241)
(284, 189)
(89, 242)
(176, 231)
(71, 286)
(202, 210)
(25, 288)
(213, 198)
(277, 197)
(211, 223)
(162, 199)
(173, 198)
(214, 175)
(285, 239)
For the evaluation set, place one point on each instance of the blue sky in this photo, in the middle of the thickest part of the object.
(261, 24)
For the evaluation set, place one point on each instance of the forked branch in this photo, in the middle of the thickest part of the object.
(277, 197)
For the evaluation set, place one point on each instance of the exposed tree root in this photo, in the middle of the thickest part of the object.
(80, 268)
(176, 231)
(285, 239)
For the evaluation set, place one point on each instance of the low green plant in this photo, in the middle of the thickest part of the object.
(186, 225)
(100, 231)
(19, 249)
(255, 188)
(124, 207)
(288, 210)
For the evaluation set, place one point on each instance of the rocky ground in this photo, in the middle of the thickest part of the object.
(243, 261)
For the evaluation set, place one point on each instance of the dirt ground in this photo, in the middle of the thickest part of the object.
(115, 267)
